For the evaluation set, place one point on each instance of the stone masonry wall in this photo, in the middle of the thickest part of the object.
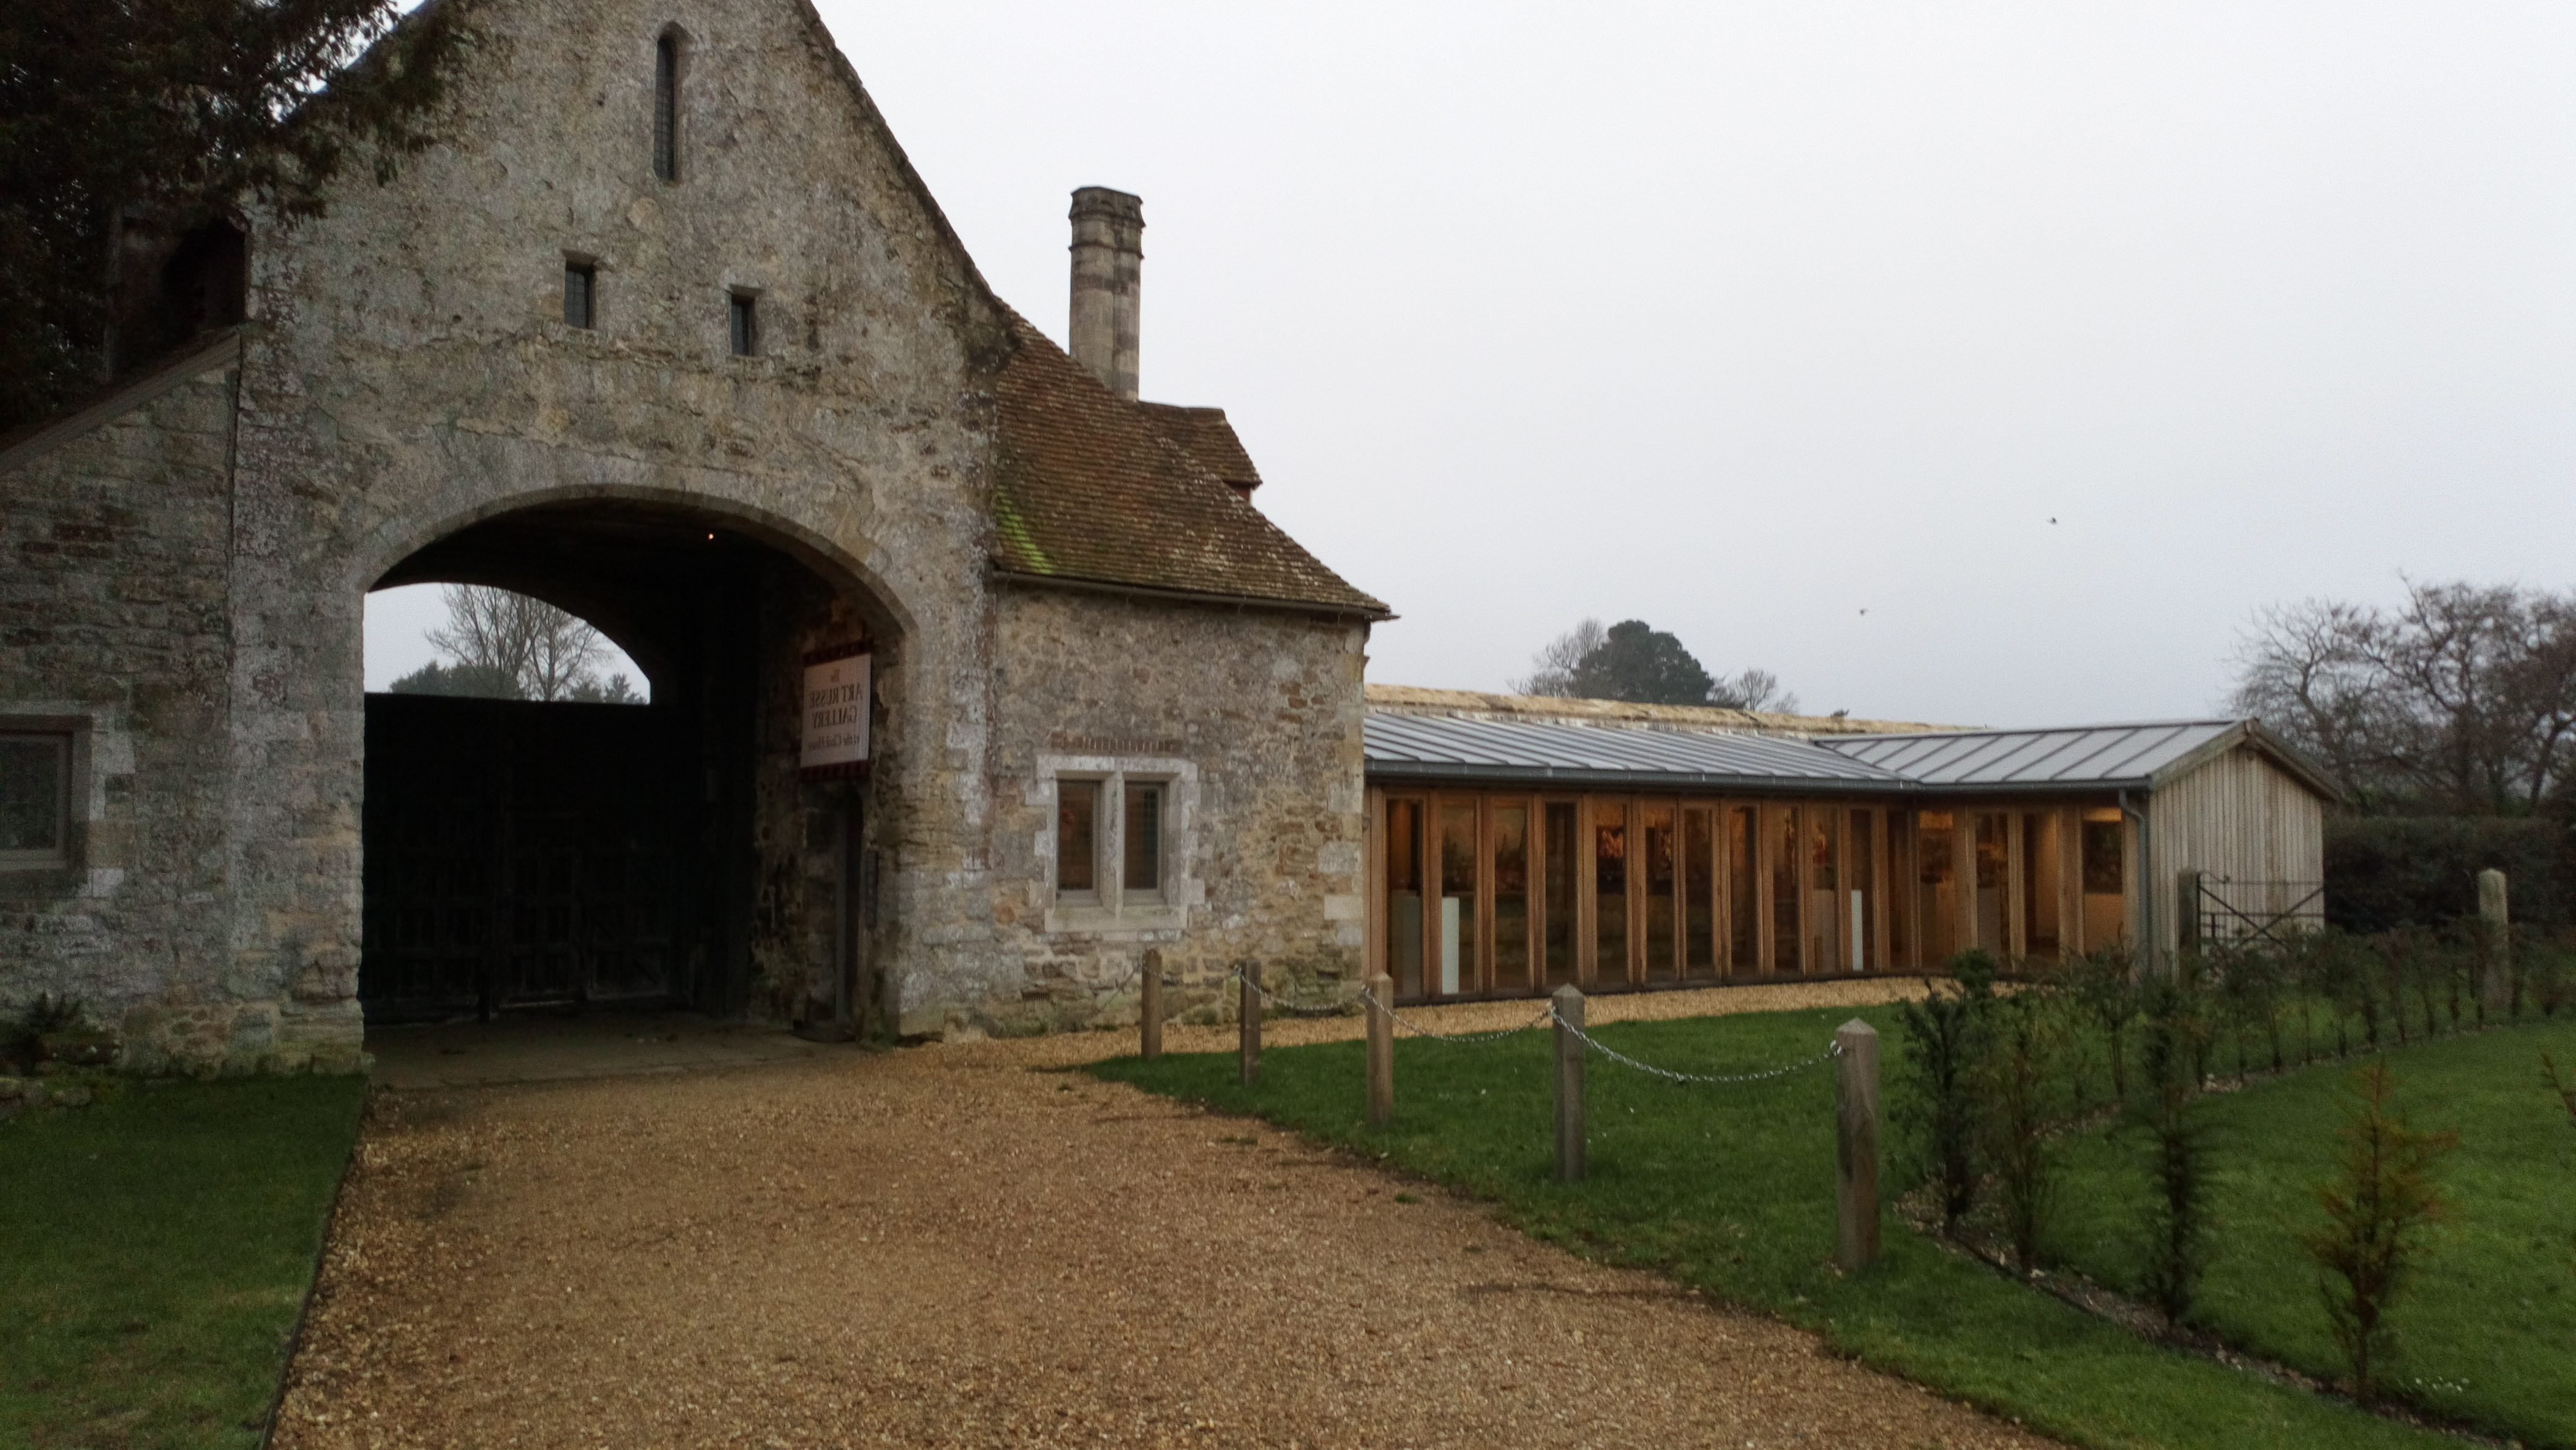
(1262, 709)
(112, 611)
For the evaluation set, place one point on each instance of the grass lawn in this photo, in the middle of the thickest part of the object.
(1731, 1189)
(2487, 1331)
(154, 1251)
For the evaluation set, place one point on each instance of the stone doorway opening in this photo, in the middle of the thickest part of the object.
(559, 857)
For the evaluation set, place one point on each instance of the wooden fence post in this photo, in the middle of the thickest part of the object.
(1250, 1015)
(2495, 985)
(1856, 1145)
(1569, 1084)
(1149, 1011)
(1381, 1051)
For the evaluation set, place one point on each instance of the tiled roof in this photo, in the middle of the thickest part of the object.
(1092, 490)
(1206, 436)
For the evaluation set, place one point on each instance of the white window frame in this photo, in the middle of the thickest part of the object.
(1111, 908)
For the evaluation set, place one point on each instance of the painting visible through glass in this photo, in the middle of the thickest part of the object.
(1662, 866)
(1936, 900)
(1787, 852)
(1511, 898)
(1699, 893)
(1743, 892)
(1824, 892)
(1562, 917)
(1404, 895)
(1610, 892)
(1458, 919)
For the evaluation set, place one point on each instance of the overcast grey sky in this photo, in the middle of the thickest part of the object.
(1747, 320)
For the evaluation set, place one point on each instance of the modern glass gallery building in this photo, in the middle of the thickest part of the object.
(1516, 845)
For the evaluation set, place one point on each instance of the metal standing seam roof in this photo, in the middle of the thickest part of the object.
(1444, 746)
(2094, 757)
(2099, 755)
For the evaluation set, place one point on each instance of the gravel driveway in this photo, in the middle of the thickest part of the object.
(946, 1246)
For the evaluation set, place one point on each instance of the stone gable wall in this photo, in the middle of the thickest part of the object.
(191, 576)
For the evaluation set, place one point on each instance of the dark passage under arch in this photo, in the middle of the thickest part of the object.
(559, 855)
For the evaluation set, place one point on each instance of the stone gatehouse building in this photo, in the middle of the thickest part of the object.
(666, 331)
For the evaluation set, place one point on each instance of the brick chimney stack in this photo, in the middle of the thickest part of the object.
(1108, 254)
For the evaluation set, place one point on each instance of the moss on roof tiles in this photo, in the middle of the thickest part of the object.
(1094, 488)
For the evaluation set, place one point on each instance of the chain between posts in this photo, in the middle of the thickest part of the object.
(1708, 1079)
(1548, 1017)
(1368, 1001)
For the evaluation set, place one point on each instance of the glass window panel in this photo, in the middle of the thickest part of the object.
(1404, 896)
(580, 283)
(1511, 898)
(1787, 942)
(666, 108)
(1143, 825)
(1458, 899)
(1900, 891)
(1743, 891)
(1861, 925)
(1937, 904)
(1663, 883)
(2042, 873)
(35, 784)
(2106, 913)
(1699, 893)
(1609, 891)
(1077, 835)
(1993, 858)
(1560, 900)
(1825, 909)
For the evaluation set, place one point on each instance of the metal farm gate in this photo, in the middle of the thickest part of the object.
(2221, 909)
(521, 855)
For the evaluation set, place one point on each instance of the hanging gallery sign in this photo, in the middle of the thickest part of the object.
(837, 687)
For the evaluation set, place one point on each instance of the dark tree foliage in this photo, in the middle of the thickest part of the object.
(1635, 662)
(2178, 1219)
(2385, 872)
(2379, 1208)
(1945, 1045)
(480, 682)
(132, 131)
(1642, 665)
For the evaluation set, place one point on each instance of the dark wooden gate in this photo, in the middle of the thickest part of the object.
(522, 855)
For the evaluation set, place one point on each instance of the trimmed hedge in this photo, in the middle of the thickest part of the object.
(2385, 872)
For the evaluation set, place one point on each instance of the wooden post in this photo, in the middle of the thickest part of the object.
(1381, 1052)
(2495, 986)
(1856, 1145)
(1569, 1084)
(2186, 911)
(1149, 1010)
(1250, 1015)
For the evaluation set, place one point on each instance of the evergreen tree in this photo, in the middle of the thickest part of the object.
(130, 127)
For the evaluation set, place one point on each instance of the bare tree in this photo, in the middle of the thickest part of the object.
(2463, 699)
(551, 653)
(1552, 669)
(1753, 690)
